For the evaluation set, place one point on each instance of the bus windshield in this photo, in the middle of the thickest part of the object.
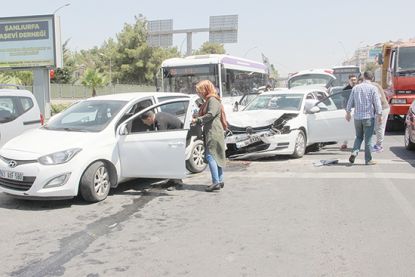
(184, 78)
(342, 74)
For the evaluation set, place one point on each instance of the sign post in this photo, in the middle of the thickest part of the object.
(32, 43)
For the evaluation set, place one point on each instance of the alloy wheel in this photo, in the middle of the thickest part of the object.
(101, 181)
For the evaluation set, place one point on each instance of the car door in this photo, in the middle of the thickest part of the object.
(153, 154)
(11, 123)
(329, 123)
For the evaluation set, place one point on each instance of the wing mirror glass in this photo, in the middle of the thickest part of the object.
(123, 131)
(314, 109)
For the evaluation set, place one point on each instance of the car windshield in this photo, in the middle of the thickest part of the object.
(309, 79)
(86, 116)
(287, 101)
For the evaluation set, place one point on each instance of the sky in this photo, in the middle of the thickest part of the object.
(294, 35)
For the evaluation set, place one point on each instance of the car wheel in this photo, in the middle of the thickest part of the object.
(300, 143)
(196, 163)
(95, 182)
(407, 137)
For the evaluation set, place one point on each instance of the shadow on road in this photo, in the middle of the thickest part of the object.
(404, 154)
(133, 187)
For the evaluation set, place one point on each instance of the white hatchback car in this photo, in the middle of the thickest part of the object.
(287, 123)
(19, 112)
(98, 143)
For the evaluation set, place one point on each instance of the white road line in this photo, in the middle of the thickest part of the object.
(321, 175)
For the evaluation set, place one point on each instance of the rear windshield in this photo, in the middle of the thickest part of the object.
(309, 79)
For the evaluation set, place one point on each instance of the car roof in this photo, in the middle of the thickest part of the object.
(128, 96)
(15, 92)
(313, 72)
(287, 91)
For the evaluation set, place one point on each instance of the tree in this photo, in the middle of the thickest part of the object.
(7, 79)
(371, 66)
(64, 75)
(93, 79)
(210, 48)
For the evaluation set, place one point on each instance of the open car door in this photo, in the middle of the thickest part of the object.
(155, 153)
(328, 124)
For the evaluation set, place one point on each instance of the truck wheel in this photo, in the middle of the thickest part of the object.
(300, 145)
(407, 138)
(95, 182)
(196, 163)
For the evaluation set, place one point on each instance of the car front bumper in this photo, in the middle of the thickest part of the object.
(35, 179)
(260, 145)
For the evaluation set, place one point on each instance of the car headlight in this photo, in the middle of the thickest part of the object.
(59, 157)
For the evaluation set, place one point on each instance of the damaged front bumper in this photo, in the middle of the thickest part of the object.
(260, 144)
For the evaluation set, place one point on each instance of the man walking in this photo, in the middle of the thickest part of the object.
(365, 100)
(346, 95)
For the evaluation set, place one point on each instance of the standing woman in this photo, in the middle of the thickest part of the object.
(213, 119)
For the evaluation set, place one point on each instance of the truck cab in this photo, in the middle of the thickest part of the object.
(398, 80)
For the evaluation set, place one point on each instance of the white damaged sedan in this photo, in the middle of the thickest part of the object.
(98, 143)
(287, 122)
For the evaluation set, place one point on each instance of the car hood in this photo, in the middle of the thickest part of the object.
(39, 142)
(257, 118)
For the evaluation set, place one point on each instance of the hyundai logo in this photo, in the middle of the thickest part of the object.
(12, 164)
(249, 130)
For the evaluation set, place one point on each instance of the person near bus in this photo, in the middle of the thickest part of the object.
(212, 117)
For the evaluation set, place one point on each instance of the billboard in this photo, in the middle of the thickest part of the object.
(30, 41)
(160, 33)
(223, 29)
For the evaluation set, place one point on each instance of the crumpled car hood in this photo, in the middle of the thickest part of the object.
(257, 118)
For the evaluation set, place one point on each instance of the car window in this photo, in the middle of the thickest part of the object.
(290, 102)
(8, 109)
(87, 116)
(168, 116)
(27, 103)
(329, 104)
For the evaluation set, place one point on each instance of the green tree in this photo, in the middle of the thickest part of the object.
(371, 66)
(7, 79)
(92, 79)
(64, 75)
(210, 48)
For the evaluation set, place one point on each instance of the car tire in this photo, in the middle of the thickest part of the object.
(407, 138)
(196, 162)
(95, 182)
(300, 145)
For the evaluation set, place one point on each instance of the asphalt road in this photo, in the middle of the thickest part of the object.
(275, 217)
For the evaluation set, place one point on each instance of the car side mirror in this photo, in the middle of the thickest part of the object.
(123, 131)
(314, 109)
(236, 107)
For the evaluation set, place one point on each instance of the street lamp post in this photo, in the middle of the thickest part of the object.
(61, 7)
(249, 50)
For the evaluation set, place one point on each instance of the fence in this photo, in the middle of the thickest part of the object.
(63, 91)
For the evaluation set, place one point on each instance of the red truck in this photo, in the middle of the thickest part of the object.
(397, 62)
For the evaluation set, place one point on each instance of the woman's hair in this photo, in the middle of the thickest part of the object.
(205, 87)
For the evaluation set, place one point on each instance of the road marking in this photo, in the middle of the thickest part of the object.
(322, 175)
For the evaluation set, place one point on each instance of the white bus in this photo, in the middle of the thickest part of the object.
(232, 76)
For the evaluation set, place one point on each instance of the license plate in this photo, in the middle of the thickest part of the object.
(247, 142)
(12, 175)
